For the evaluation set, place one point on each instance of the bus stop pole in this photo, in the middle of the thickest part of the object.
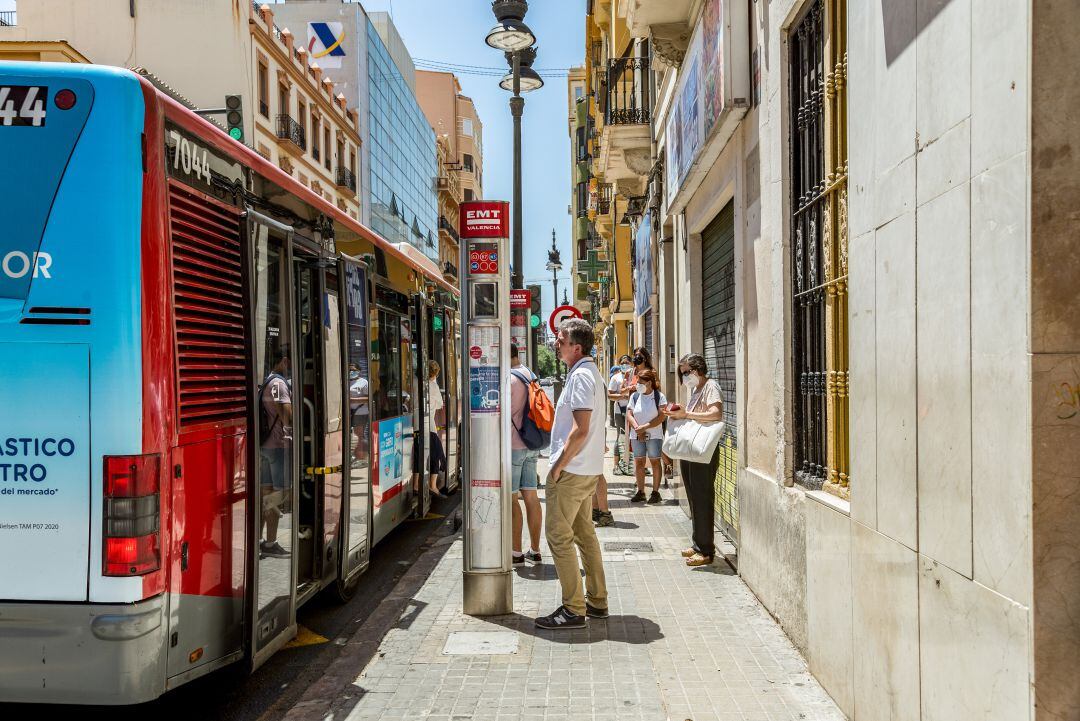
(485, 369)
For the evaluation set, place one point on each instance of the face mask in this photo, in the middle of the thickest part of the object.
(641, 388)
(353, 375)
(638, 360)
(690, 380)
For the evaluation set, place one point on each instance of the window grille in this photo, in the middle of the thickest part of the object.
(818, 105)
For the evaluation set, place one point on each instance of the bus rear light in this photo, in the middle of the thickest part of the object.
(132, 556)
(132, 515)
(131, 476)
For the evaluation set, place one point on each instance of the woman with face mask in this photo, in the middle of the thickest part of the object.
(705, 406)
(645, 417)
(437, 456)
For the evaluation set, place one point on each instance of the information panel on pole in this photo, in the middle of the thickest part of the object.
(485, 343)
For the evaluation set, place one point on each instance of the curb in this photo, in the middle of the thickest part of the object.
(335, 686)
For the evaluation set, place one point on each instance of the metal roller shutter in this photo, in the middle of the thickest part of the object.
(718, 326)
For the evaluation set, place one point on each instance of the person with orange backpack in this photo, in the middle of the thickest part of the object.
(532, 415)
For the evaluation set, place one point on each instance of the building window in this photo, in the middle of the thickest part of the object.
(301, 114)
(468, 194)
(264, 90)
(468, 163)
(818, 107)
(315, 137)
(352, 160)
(326, 146)
(283, 100)
(466, 127)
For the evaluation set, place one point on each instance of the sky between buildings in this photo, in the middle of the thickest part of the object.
(453, 31)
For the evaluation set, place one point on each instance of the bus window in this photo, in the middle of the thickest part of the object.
(387, 395)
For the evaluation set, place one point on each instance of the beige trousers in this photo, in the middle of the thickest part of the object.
(569, 523)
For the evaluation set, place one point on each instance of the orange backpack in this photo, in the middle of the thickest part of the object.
(539, 416)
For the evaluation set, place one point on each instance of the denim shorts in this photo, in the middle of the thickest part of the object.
(652, 446)
(523, 463)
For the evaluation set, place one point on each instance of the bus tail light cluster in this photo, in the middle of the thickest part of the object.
(132, 517)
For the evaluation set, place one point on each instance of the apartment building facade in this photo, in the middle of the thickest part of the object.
(854, 218)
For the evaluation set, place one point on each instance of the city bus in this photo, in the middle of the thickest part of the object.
(212, 391)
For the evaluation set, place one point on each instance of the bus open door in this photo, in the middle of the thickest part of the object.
(271, 608)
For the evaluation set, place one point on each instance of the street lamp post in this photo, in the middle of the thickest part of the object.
(515, 39)
(554, 264)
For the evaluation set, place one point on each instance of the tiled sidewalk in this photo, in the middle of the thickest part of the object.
(680, 644)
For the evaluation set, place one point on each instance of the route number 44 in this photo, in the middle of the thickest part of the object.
(190, 158)
(32, 108)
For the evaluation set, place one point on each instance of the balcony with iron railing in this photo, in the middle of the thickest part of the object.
(446, 225)
(603, 205)
(449, 270)
(7, 18)
(289, 129)
(346, 178)
(628, 97)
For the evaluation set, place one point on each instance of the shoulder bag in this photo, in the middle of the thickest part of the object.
(692, 441)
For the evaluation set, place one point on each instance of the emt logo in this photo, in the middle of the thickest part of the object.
(324, 43)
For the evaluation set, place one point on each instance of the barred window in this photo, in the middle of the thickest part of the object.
(818, 64)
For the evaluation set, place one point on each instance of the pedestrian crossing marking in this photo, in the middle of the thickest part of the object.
(306, 637)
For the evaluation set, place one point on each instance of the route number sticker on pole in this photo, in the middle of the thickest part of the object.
(560, 314)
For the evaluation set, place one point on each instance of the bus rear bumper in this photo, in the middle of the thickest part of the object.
(81, 653)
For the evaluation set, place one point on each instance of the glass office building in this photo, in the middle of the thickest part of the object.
(403, 173)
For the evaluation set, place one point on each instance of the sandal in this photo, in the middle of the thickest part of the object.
(699, 560)
(688, 552)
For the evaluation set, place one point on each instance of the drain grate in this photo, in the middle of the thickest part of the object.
(641, 546)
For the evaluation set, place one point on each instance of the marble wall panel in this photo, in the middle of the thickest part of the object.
(828, 599)
(862, 384)
(974, 650)
(944, 379)
(894, 191)
(885, 618)
(999, 82)
(864, 45)
(944, 163)
(1000, 381)
(893, 111)
(895, 384)
(944, 66)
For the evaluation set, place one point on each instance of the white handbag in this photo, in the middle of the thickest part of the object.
(693, 441)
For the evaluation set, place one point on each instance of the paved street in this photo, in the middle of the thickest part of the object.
(680, 644)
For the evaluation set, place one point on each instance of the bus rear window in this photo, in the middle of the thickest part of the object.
(41, 120)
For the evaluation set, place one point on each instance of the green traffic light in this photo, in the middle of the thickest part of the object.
(236, 133)
(534, 321)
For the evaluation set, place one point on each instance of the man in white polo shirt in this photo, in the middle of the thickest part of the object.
(577, 463)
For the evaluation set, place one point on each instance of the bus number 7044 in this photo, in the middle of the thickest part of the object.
(186, 157)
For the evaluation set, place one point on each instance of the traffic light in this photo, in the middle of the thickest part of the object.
(234, 117)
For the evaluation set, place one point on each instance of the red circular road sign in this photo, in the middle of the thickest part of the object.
(560, 314)
(475, 352)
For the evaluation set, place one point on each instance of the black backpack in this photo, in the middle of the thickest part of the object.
(265, 426)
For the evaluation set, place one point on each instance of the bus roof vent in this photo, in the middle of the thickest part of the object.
(208, 294)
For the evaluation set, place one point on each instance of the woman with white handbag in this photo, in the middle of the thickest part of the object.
(692, 438)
